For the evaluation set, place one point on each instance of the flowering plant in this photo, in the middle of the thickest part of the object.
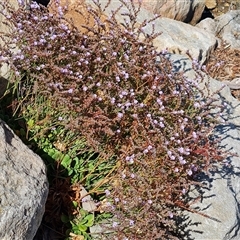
(126, 101)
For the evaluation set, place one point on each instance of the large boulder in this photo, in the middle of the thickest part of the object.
(215, 215)
(177, 37)
(184, 11)
(23, 188)
(228, 28)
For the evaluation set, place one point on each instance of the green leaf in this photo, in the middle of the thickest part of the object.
(90, 219)
(82, 228)
(66, 161)
(75, 204)
(30, 123)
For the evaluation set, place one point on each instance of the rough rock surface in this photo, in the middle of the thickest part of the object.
(220, 197)
(184, 11)
(177, 37)
(208, 24)
(228, 28)
(23, 188)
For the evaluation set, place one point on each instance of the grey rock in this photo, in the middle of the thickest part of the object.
(208, 24)
(234, 84)
(228, 28)
(220, 196)
(176, 36)
(23, 188)
(184, 11)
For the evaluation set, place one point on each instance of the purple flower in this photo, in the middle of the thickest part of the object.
(70, 90)
(120, 115)
(149, 201)
(170, 214)
(189, 172)
(131, 222)
(107, 192)
(114, 224)
(85, 88)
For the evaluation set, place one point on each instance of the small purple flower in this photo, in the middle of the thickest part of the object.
(53, 37)
(170, 214)
(85, 88)
(145, 151)
(181, 150)
(150, 202)
(169, 153)
(114, 224)
(120, 115)
(189, 172)
(70, 90)
(42, 40)
(107, 192)
(34, 5)
(182, 160)
(131, 222)
(60, 118)
(113, 100)
(20, 2)
(161, 125)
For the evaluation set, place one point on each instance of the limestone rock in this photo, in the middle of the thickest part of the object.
(228, 28)
(23, 188)
(220, 194)
(184, 11)
(176, 36)
(179, 37)
(73, 10)
(208, 24)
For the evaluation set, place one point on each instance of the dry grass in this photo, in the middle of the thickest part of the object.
(224, 65)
